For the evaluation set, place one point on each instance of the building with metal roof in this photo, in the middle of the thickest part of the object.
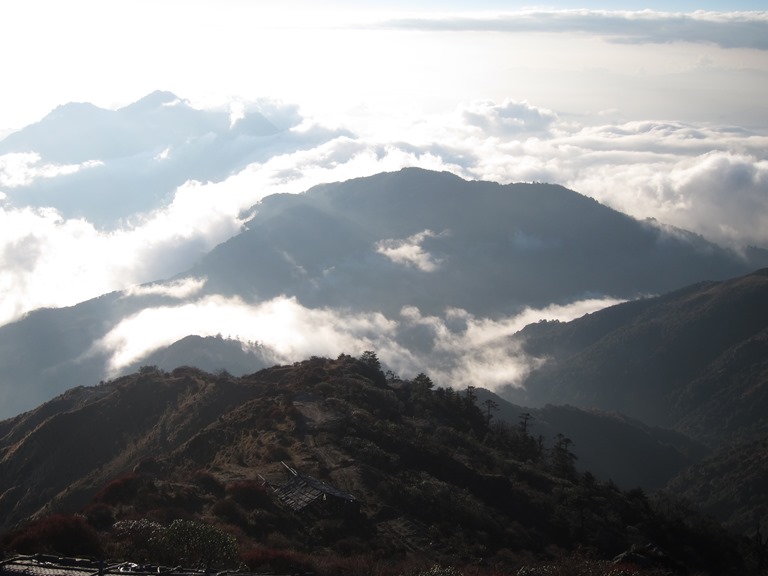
(302, 492)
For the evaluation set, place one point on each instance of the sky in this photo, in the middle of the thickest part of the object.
(656, 109)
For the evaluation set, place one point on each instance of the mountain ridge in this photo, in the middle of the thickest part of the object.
(437, 481)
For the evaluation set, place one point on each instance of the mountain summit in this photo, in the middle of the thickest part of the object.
(434, 240)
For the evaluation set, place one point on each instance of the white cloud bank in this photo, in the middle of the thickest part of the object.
(289, 330)
(456, 349)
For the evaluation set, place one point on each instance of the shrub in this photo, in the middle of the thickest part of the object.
(57, 534)
(121, 490)
(199, 544)
(142, 538)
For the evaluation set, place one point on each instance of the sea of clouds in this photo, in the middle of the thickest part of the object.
(709, 177)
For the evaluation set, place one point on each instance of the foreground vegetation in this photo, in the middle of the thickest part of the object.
(444, 488)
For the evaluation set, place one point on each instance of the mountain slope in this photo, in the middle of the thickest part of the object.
(693, 359)
(434, 480)
(608, 445)
(730, 485)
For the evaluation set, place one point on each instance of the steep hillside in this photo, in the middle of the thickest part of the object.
(609, 445)
(436, 480)
(730, 485)
(617, 448)
(694, 360)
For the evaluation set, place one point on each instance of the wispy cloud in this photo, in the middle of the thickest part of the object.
(728, 29)
(23, 168)
(460, 349)
(184, 288)
(410, 251)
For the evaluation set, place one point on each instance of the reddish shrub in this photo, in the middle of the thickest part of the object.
(57, 534)
(122, 489)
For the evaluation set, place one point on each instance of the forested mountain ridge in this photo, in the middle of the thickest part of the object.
(437, 479)
(693, 359)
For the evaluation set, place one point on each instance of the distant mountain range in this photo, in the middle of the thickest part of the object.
(412, 238)
(131, 159)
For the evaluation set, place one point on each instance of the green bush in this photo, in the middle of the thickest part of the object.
(198, 544)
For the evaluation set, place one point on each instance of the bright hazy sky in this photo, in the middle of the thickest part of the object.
(347, 56)
(658, 109)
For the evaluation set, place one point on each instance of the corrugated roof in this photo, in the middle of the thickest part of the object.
(302, 490)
